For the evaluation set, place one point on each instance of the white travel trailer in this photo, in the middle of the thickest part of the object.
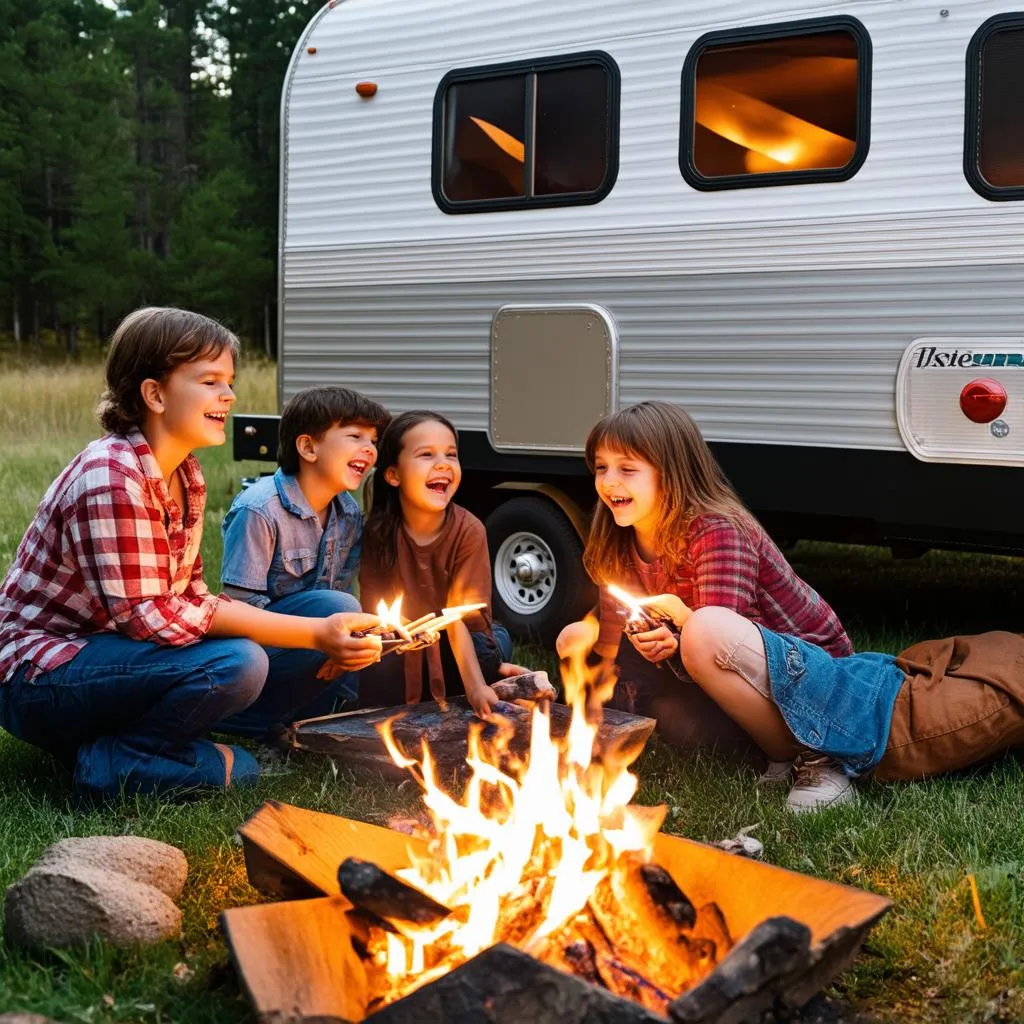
(802, 223)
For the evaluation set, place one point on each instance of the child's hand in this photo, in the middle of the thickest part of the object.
(482, 699)
(656, 644)
(668, 606)
(506, 668)
(351, 653)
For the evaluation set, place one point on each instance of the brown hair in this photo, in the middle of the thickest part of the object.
(385, 517)
(315, 410)
(151, 343)
(691, 483)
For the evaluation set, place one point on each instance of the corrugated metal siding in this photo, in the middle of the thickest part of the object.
(773, 314)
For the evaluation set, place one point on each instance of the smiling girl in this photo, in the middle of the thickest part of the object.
(668, 523)
(114, 655)
(419, 544)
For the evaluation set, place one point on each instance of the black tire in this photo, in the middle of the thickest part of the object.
(570, 593)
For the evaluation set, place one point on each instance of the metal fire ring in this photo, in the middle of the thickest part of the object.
(525, 573)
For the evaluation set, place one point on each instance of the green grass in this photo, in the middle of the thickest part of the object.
(927, 961)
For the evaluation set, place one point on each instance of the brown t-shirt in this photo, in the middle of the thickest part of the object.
(453, 569)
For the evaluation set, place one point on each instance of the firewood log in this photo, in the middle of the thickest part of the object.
(751, 978)
(712, 927)
(644, 935)
(667, 896)
(372, 890)
(528, 686)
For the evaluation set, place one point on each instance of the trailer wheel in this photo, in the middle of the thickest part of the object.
(539, 581)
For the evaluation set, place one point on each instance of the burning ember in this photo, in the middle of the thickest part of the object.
(639, 621)
(545, 853)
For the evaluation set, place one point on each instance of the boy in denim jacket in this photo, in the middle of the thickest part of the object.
(292, 540)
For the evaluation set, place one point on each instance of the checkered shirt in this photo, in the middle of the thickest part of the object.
(742, 571)
(108, 551)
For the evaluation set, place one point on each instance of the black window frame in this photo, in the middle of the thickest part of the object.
(972, 111)
(758, 34)
(526, 67)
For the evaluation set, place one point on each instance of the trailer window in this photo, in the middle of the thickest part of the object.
(542, 133)
(994, 136)
(776, 105)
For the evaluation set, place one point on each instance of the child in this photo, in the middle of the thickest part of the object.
(292, 541)
(939, 706)
(433, 553)
(113, 653)
(667, 521)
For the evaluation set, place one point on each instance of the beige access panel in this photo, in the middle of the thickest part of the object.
(553, 376)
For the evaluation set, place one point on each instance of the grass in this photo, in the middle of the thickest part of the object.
(928, 960)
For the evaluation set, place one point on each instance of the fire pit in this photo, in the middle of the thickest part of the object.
(539, 893)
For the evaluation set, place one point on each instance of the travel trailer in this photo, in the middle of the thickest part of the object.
(800, 223)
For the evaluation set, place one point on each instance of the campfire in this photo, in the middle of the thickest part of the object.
(536, 880)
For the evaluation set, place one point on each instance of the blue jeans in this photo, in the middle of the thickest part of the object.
(129, 715)
(293, 691)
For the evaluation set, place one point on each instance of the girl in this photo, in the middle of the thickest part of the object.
(418, 544)
(667, 522)
(113, 652)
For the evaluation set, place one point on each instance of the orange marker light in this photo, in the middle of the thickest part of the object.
(366, 89)
(311, 50)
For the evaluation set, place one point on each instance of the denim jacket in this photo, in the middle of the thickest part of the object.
(274, 546)
(838, 706)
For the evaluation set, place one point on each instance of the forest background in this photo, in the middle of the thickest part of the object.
(139, 145)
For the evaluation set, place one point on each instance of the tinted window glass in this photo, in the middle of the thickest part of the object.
(1001, 109)
(571, 131)
(485, 128)
(774, 109)
(536, 133)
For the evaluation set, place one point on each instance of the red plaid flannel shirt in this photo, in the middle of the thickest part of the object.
(107, 551)
(749, 575)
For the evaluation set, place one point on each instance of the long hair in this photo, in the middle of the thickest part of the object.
(385, 518)
(690, 481)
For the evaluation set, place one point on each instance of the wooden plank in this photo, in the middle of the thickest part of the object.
(352, 737)
(297, 853)
(296, 961)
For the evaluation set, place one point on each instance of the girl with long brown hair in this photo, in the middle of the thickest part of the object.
(668, 523)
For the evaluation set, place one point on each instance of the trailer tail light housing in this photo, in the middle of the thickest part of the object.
(983, 400)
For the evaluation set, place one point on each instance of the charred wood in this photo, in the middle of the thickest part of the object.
(503, 985)
(531, 686)
(370, 889)
(667, 896)
(751, 979)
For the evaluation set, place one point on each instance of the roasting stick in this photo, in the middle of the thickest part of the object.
(426, 630)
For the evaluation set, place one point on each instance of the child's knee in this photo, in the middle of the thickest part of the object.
(575, 637)
(707, 637)
(241, 669)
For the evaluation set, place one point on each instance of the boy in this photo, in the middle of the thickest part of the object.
(292, 541)
(113, 652)
(939, 706)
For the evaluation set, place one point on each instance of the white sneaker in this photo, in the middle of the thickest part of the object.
(819, 783)
(777, 771)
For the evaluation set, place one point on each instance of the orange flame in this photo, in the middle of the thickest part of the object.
(540, 832)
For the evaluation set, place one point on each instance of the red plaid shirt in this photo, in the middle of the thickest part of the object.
(108, 551)
(725, 567)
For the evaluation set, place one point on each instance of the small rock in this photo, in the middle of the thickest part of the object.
(69, 904)
(24, 1018)
(144, 860)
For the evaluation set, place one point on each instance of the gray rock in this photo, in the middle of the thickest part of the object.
(24, 1018)
(145, 860)
(69, 904)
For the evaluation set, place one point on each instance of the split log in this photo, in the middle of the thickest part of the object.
(352, 737)
(370, 889)
(751, 978)
(711, 926)
(531, 686)
(667, 896)
(644, 935)
(503, 985)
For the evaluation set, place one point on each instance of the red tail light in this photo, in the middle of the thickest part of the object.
(983, 400)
